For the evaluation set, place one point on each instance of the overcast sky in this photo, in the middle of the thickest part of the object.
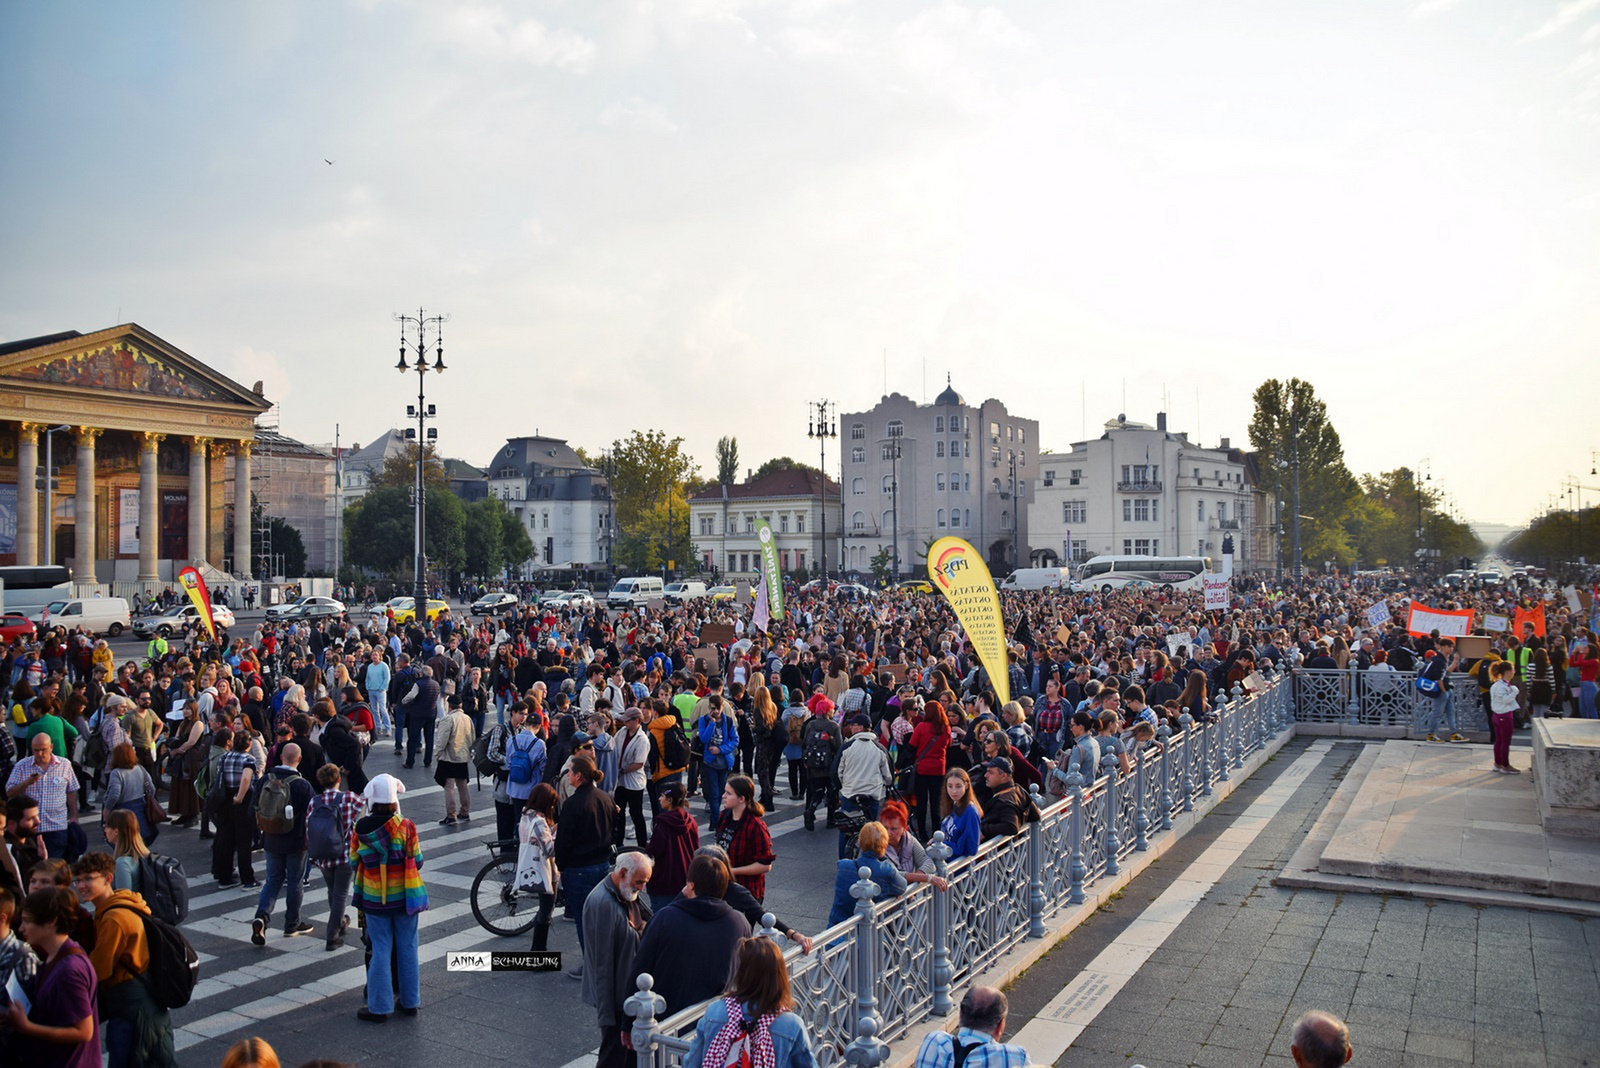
(699, 214)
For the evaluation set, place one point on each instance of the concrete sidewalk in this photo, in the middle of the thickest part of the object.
(1420, 982)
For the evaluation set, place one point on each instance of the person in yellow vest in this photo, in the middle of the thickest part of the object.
(156, 651)
(1518, 655)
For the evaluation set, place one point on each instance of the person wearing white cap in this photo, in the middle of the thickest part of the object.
(389, 893)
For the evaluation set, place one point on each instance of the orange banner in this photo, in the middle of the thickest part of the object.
(1528, 617)
(195, 586)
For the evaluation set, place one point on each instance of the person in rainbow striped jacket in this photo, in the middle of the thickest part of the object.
(389, 893)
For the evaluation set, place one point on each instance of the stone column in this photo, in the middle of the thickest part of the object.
(241, 508)
(149, 507)
(27, 494)
(84, 533)
(197, 498)
(216, 451)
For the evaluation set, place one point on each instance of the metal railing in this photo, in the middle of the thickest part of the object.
(1377, 698)
(872, 978)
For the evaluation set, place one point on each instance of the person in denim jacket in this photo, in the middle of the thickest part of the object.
(758, 993)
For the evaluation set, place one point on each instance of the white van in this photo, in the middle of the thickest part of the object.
(679, 592)
(633, 592)
(100, 615)
(1037, 578)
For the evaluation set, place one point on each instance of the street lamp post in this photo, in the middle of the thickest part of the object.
(1297, 496)
(422, 434)
(1016, 514)
(49, 492)
(821, 427)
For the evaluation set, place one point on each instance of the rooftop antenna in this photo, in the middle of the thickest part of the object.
(886, 370)
(924, 379)
(1083, 398)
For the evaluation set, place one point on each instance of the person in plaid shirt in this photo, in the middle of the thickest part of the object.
(50, 781)
(347, 808)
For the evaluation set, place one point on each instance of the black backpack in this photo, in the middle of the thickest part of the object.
(674, 749)
(174, 969)
(817, 752)
(164, 887)
(480, 755)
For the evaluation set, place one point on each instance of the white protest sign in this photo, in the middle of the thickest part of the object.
(1497, 623)
(1216, 592)
(1378, 614)
(1571, 594)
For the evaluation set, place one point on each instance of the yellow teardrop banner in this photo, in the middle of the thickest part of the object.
(962, 576)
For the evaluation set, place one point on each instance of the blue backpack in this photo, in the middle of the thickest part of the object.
(519, 766)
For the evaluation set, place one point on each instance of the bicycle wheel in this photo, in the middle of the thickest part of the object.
(497, 905)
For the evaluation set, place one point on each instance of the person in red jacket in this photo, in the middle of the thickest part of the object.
(930, 740)
(673, 839)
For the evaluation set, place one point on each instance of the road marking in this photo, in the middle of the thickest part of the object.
(1049, 1034)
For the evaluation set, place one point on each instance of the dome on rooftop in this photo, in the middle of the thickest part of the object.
(949, 396)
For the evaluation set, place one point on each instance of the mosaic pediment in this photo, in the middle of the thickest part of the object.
(124, 367)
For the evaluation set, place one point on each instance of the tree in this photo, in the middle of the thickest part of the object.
(651, 478)
(657, 538)
(400, 470)
(483, 538)
(380, 532)
(1290, 430)
(514, 540)
(780, 463)
(727, 460)
(880, 565)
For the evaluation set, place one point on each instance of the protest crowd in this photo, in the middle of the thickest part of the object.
(633, 765)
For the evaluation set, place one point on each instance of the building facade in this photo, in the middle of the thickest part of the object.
(144, 439)
(801, 505)
(564, 504)
(1141, 490)
(913, 473)
(295, 482)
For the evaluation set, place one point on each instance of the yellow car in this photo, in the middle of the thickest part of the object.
(916, 586)
(407, 612)
(722, 593)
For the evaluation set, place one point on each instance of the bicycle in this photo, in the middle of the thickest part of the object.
(498, 906)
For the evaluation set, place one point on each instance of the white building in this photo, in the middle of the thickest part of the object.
(564, 504)
(958, 469)
(722, 522)
(1142, 490)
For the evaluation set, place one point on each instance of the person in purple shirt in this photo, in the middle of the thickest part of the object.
(60, 1030)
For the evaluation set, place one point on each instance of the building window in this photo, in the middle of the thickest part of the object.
(955, 424)
(994, 454)
(710, 558)
(1049, 478)
(799, 559)
(783, 525)
(966, 485)
(938, 518)
(1022, 435)
(858, 455)
(858, 521)
(1005, 520)
(1222, 511)
(995, 486)
(1022, 457)
(1202, 511)
(544, 520)
(966, 520)
(994, 431)
(800, 524)
(1077, 475)
(858, 486)
(896, 429)
(938, 482)
(938, 448)
(749, 524)
(858, 431)
(888, 483)
(1077, 550)
(1011, 434)
(888, 519)
(783, 559)
(938, 424)
(1074, 511)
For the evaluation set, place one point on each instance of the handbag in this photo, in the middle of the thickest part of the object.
(152, 807)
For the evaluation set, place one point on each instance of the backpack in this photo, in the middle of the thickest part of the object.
(323, 840)
(164, 887)
(480, 755)
(797, 730)
(519, 763)
(818, 751)
(174, 968)
(674, 750)
(272, 805)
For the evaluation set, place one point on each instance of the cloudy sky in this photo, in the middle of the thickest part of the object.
(698, 214)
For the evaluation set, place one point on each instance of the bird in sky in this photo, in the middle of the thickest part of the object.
(329, 162)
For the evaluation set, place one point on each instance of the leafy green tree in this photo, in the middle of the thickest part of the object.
(514, 540)
(400, 470)
(380, 535)
(880, 565)
(780, 463)
(727, 460)
(483, 538)
(1290, 429)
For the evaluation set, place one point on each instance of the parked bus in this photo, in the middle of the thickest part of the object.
(29, 589)
(1103, 574)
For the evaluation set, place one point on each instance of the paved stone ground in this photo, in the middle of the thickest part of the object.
(1421, 983)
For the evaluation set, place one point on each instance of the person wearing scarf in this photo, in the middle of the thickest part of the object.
(753, 1025)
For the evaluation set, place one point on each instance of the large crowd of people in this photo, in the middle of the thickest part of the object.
(633, 768)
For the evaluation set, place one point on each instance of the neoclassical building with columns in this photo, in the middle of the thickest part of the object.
(146, 442)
